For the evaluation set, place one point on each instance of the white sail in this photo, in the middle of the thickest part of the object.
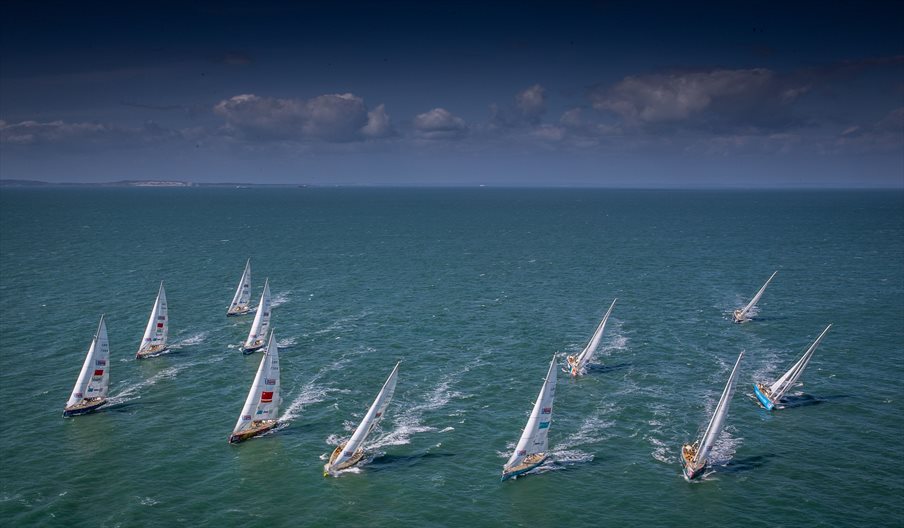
(261, 323)
(718, 418)
(373, 416)
(242, 292)
(94, 378)
(743, 313)
(789, 379)
(587, 354)
(158, 325)
(534, 438)
(263, 399)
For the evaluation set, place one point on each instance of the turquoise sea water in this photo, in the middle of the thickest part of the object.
(473, 290)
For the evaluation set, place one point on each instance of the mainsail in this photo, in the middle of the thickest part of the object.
(94, 378)
(742, 314)
(242, 295)
(534, 438)
(261, 323)
(789, 379)
(587, 354)
(263, 398)
(718, 419)
(158, 326)
(373, 416)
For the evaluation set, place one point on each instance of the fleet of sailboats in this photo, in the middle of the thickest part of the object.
(260, 411)
(154, 339)
(770, 396)
(239, 304)
(740, 315)
(261, 323)
(533, 446)
(90, 391)
(259, 414)
(694, 456)
(577, 364)
(349, 453)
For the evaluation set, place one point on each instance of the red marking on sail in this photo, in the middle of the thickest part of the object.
(159, 325)
(266, 397)
(99, 372)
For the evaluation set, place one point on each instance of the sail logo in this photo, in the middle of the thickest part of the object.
(159, 325)
(79, 395)
(99, 372)
(246, 417)
(544, 425)
(100, 362)
(161, 318)
(270, 381)
(267, 397)
(547, 410)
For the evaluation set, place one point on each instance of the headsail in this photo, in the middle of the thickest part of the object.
(789, 379)
(94, 378)
(158, 325)
(373, 416)
(263, 399)
(534, 438)
(587, 354)
(718, 419)
(261, 323)
(743, 313)
(242, 295)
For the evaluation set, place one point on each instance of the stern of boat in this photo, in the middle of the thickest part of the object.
(762, 398)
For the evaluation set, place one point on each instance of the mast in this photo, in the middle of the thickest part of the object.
(158, 325)
(94, 378)
(534, 437)
(243, 291)
(263, 398)
(261, 319)
(718, 418)
(789, 379)
(373, 416)
(587, 354)
(756, 297)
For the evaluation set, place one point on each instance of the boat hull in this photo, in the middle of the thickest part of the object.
(523, 467)
(241, 436)
(331, 469)
(252, 349)
(151, 351)
(78, 409)
(763, 399)
(237, 313)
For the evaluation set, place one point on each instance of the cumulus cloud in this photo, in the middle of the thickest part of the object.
(886, 135)
(439, 123)
(331, 117)
(528, 109)
(718, 99)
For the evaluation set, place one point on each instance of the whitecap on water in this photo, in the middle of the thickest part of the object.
(196, 339)
(279, 299)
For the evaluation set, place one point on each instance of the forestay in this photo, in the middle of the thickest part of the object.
(789, 379)
(587, 354)
(718, 419)
(264, 397)
(94, 378)
(371, 419)
(534, 438)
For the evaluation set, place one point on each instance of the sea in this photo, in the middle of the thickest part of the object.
(474, 290)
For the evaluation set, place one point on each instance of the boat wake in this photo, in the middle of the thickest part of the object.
(196, 339)
(288, 342)
(131, 392)
(279, 299)
(311, 393)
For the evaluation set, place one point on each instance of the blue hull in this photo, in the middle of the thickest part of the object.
(764, 401)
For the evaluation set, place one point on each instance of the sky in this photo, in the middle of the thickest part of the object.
(599, 94)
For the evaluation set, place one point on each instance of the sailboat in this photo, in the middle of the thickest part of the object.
(154, 340)
(349, 453)
(261, 323)
(239, 304)
(577, 364)
(262, 404)
(770, 396)
(90, 391)
(740, 315)
(693, 456)
(532, 447)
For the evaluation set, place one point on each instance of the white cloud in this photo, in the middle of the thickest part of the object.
(439, 123)
(531, 102)
(378, 123)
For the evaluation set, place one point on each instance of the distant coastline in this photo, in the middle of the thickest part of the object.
(139, 183)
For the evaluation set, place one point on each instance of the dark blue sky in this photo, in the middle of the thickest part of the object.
(623, 94)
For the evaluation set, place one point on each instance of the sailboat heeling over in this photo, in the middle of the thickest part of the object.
(94, 378)
(587, 354)
(264, 398)
(741, 315)
(371, 419)
(718, 419)
(261, 324)
(534, 437)
(239, 304)
(789, 379)
(154, 339)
